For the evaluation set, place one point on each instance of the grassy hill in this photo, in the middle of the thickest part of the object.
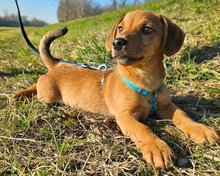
(37, 139)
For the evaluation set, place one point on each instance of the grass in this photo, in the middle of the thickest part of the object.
(41, 139)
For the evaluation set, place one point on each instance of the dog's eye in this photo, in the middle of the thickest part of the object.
(120, 29)
(147, 30)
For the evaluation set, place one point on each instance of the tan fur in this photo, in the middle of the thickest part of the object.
(140, 61)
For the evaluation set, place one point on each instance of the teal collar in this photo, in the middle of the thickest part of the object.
(152, 101)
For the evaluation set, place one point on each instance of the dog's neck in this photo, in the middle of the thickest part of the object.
(148, 76)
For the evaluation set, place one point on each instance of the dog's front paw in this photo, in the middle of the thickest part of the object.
(203, 134)
(158, 153)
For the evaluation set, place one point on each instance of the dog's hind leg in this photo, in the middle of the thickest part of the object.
(27, 93)
(47, 89)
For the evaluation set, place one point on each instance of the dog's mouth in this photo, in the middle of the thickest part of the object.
(125, 60)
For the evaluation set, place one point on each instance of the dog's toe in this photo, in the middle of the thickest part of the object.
(158, 154)
(203, 134)
(17, 97)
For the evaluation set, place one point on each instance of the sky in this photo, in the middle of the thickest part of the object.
(45, 10)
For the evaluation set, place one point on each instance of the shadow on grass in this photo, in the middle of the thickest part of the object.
(18, 72)
(196, 108)
(201, 54)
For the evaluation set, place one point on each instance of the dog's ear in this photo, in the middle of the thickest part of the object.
(173, 37)
(112, 34)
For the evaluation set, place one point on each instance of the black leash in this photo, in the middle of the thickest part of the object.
(35, 50)
(24, 33)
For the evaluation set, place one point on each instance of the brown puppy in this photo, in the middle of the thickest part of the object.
(138, 42)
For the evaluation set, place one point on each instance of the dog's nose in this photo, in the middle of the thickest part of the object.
(118, 43)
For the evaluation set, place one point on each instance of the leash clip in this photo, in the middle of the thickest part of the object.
(83, 65)
(102, 67)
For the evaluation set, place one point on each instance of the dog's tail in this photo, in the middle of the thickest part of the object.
(45, 42)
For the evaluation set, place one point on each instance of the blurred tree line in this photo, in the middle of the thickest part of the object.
(74, 9)
(70, 10)
(12, 20)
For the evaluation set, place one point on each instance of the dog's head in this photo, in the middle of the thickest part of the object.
(142, 35)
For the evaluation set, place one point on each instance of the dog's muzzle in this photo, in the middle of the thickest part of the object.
(118, 43)
(121, 55)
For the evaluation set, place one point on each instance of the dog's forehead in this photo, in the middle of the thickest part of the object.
(140, 16)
